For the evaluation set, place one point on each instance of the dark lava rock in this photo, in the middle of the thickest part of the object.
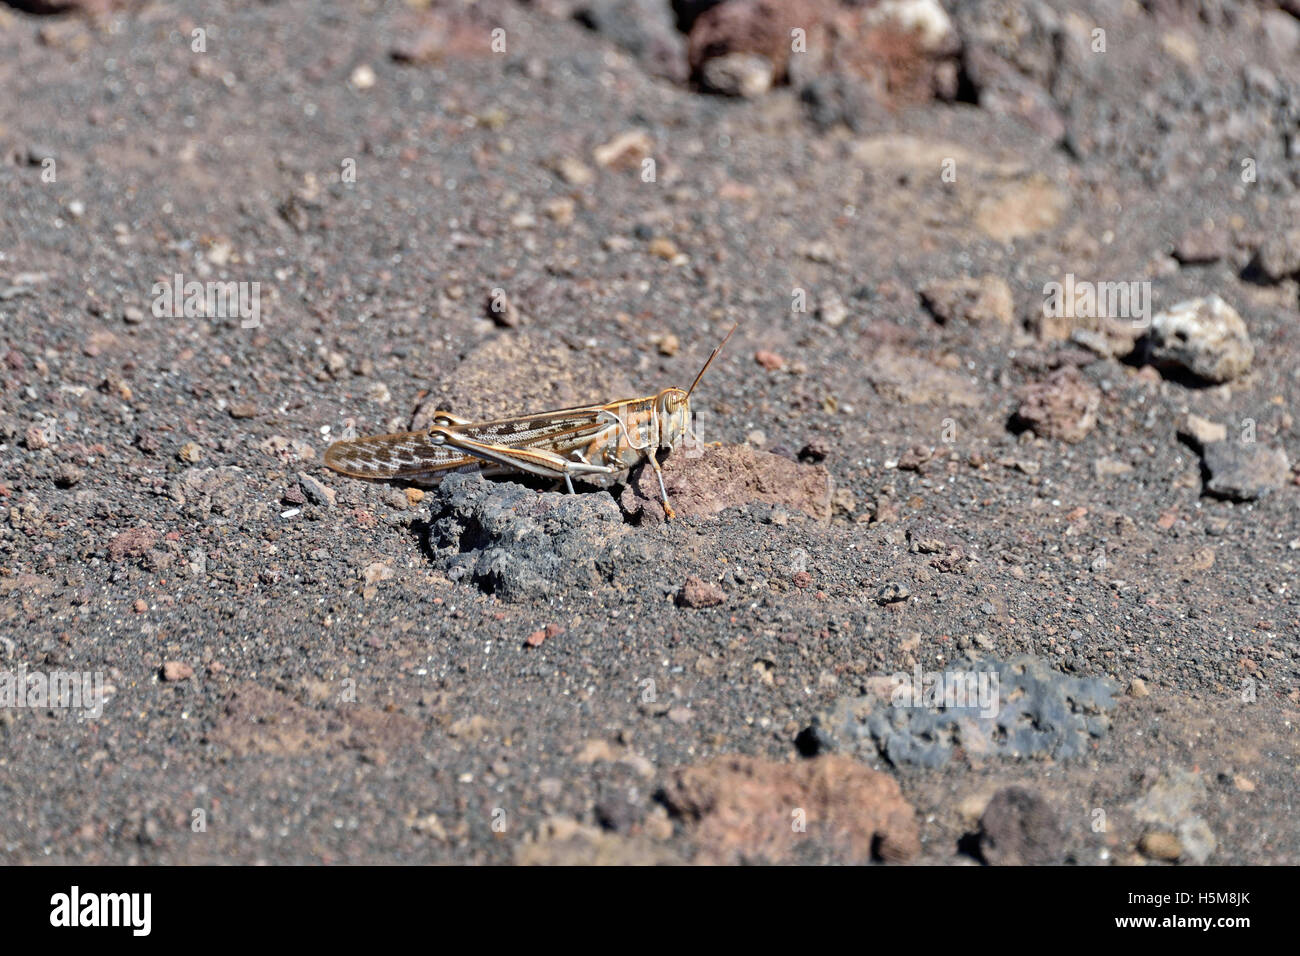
(1019, 828)
(1033, 711)
(522, 544)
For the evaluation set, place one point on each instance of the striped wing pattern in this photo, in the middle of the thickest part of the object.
(412, 454)
(404, 455)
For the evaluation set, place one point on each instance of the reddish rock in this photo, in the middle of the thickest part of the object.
(754, 26)
(1063, 406)
(540, 636)
(740, 809)
(907, 52)
(705, 480)
(697, 592)
(132, 544)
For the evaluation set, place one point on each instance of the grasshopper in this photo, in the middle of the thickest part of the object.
(590, 442)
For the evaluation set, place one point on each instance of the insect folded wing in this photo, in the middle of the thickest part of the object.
(404, 455)
(536, 458)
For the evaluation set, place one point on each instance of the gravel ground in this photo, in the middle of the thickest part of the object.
(915, 463)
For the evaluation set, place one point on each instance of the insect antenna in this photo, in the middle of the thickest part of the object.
(710, 361)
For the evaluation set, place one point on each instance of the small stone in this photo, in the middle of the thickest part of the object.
(625, 150)
(819, 250)
(663, 248)
(915, 459)
(1110, 467)
(133, 543)
(36, 438)
(1158, 845)
(376, 572)
(1137, 687)
(1278, 257)
(132, 315)
(892, 593)
(747, 75)
(832, 310)
(177, 670)
(190, 452)
(414, 496)
(67, 475)
(769, 360)
(697, 592)
(1019, 828)
(1205, 338)
(1201, 431)
(844, 502)
(501, 309)
(573, 171)
(317, 493)
(730, 806)
(1062, 406)
(243, 410)
(139, 606)
(986, 300)
(815, 451)
(430, 826)
(287, 450)
(1201, 246)
(560, 210)
(1243, 471)
(668, 345)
